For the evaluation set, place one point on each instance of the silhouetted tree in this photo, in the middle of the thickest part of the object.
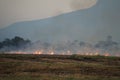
(17, 42)
(7, 42)
(1, 45)
(82, 43)
(109, 43)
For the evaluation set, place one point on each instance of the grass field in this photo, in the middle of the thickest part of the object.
(58, 67)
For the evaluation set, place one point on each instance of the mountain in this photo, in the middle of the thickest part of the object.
(83, 25)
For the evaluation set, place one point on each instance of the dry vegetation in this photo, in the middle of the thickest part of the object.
(58, 67)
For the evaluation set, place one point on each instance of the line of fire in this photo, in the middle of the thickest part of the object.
(104, 48)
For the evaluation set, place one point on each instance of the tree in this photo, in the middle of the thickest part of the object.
(82, 43)
(17, 42)
(1, 45)
(7, 42)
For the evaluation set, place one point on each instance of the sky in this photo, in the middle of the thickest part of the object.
(84, 20)
(12, 11)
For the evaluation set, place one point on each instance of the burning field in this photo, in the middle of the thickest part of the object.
(58, 67)
(59, 40)
(18, 45)
(73, 60)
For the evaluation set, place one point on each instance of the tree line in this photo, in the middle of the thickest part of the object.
(16, 42)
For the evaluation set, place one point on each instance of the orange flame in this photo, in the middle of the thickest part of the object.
(106, 54)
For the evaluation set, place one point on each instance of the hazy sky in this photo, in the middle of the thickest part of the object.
(12, 11)
(84, 20)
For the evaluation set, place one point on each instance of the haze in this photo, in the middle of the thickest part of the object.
(12, 11)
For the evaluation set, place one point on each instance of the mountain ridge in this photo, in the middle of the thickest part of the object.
(88, 25)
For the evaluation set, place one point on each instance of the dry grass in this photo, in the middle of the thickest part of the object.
(58, 67)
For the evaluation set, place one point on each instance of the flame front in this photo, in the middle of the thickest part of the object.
(38, 52)
(68, 52)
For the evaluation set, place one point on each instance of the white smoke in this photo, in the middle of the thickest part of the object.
(12, 11)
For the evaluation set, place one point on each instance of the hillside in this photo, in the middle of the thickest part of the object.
(58, 67)
(89, 25)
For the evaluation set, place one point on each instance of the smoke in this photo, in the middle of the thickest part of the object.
(16, 10)
(106, 48)
(82, 4)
